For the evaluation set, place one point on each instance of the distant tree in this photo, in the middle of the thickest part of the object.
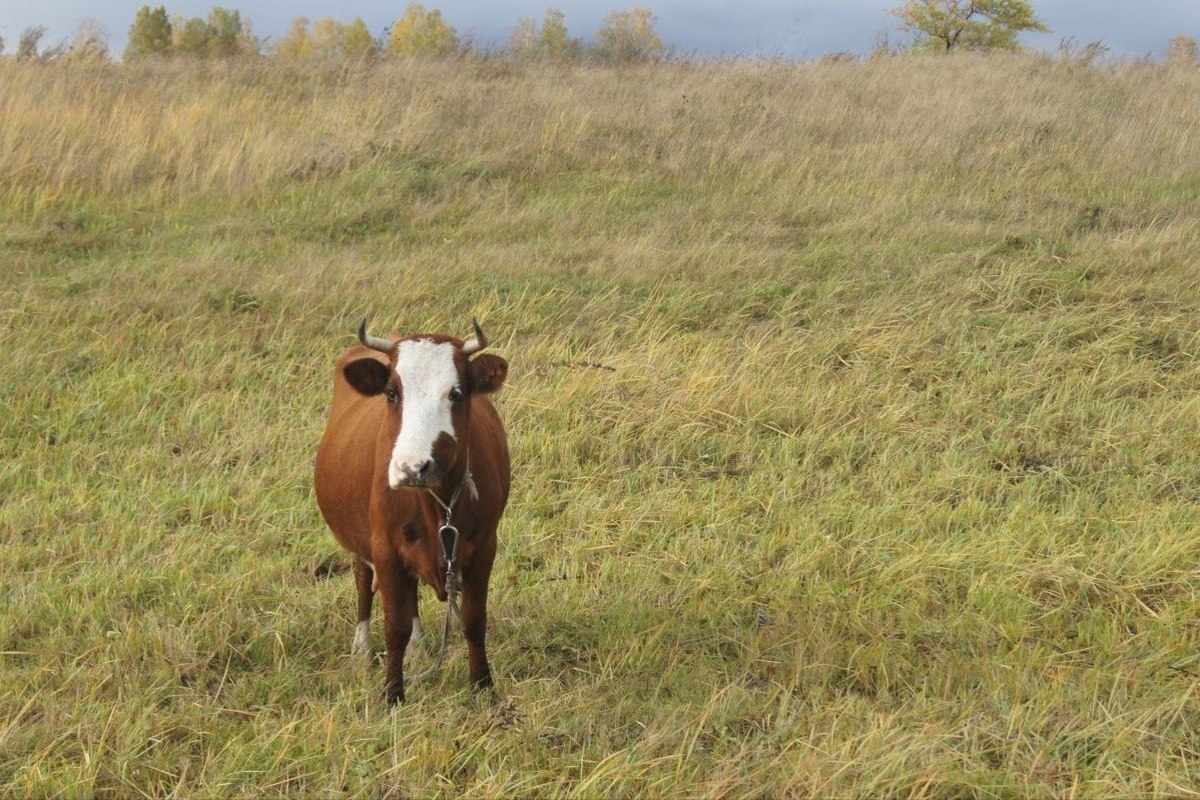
(881, 47)
(553, 41)
(89, 42)
(422, 33)
(223, 35)
(296, 45)
(1182, 50)
(329, 39)
(1, 45)
(177, 23)
(326, 37)
(229, 35)
(629, 36)
(150, 34)
(357, 43)
(523, 38)
(27, 45)
(191, 38)
(946, 25)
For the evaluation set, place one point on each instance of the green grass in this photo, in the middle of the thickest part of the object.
(854, 412)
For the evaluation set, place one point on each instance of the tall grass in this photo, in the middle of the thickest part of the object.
(854, 414)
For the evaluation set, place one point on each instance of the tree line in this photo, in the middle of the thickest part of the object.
(626, 36)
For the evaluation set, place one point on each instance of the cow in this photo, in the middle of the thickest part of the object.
(414, 443)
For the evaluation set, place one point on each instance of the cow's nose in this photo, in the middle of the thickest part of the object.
(417, 471)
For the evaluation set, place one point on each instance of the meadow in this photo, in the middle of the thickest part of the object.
(854, 407)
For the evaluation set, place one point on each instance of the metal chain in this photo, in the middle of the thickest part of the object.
(449, 553)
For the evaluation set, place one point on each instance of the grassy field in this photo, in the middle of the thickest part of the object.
(855, 413)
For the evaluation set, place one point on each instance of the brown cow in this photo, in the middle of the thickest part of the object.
(411, 432)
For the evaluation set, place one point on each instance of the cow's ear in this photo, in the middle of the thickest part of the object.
(367, 376)
(487, 373)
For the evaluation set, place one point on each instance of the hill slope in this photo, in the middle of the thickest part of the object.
(854, 414)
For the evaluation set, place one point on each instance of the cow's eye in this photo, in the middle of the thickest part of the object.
(456, 394)
(393, 396)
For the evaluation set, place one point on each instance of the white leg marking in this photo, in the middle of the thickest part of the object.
(362, 640)
(374, 577)
(416, 634)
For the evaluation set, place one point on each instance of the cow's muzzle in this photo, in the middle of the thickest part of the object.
(416, 473)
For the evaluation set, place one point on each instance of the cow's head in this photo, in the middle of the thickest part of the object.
(428, 382)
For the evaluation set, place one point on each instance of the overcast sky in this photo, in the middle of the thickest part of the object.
(804, 28)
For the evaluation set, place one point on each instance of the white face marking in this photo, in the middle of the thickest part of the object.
(362, 639)
(427, 374)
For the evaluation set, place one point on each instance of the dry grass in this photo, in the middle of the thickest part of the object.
(854, 411)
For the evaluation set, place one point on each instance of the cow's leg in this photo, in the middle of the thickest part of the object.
(474, 610)
(399, 590)
(364, 575)
(417, 632)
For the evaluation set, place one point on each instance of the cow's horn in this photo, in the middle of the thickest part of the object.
(476, 342)
(373, 342)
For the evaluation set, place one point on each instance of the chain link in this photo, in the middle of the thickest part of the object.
(451, 579)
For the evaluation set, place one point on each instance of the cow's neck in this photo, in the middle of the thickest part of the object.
(464, 485)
